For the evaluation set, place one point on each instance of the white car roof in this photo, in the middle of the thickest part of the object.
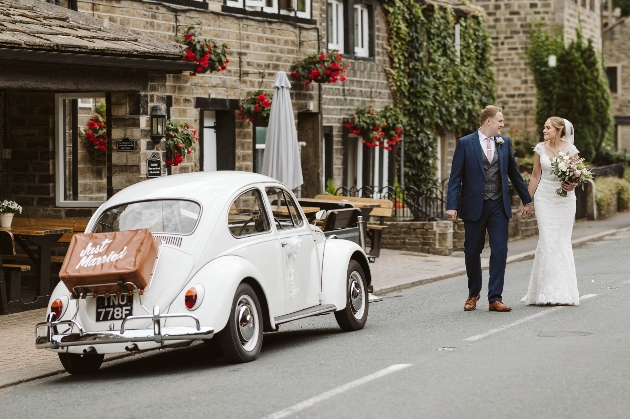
(206, 187)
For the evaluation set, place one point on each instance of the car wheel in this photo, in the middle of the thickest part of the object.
(241, 339)
(354, 316)
(77, 364)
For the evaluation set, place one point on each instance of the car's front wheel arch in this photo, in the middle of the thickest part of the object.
(264, 305)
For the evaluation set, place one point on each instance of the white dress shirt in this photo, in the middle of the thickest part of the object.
(483, 140)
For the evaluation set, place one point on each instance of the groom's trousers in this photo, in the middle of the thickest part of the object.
(495, 222)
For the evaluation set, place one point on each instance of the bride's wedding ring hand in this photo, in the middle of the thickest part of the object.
(527, 210)
(568, 186)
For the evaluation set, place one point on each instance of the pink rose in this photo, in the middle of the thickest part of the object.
(577, 173)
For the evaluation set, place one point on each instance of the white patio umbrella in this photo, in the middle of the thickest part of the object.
(281, 160)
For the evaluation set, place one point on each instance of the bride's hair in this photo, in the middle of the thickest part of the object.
(558, 123)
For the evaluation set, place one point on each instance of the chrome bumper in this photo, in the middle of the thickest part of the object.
(54, 340)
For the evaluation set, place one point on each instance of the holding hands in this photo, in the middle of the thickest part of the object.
(527, 210)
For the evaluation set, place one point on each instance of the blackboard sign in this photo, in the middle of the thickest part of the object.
(154, 166)
(126, 145)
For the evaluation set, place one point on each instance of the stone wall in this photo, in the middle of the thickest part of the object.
(367, 85)
(508, 25)
(426, 237)
(266, 46)
(616, 43)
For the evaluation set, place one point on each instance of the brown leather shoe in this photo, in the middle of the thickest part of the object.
(471, 303)
(499, 306)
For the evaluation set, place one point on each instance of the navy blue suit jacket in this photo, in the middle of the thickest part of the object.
(465, 187)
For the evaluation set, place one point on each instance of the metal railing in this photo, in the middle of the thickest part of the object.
(609, 170)
(425, 204)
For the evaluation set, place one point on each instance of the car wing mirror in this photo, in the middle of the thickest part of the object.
(321, 215)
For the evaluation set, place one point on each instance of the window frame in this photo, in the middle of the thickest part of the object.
(364, 28)
(617, 79)
(258, 8)
(60, 156)
(261, 194)
(339, 25)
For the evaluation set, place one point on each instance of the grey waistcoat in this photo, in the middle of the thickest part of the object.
(492, 177)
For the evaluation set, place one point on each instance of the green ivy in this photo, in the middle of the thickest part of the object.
(576, 89)
(435, 91)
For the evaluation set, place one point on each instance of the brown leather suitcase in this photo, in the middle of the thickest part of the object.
(103, 261)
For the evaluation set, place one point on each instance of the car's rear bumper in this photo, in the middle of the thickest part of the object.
(158, 334)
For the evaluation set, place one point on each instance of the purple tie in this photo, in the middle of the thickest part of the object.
(489, 150)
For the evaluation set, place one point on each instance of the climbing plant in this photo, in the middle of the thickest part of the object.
(436, 90)
(575, 89)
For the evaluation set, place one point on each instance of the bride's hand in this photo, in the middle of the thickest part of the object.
(568, 186)
(527, 210)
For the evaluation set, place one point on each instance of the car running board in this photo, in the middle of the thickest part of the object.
(313, 311)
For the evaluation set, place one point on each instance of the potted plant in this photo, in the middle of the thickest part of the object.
(376, 128)
(206, 53)
(180, 141)
(7, 210)
(95, 131)
(256, 107)
(325, 67)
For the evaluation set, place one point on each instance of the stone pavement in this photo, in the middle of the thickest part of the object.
(394, 270)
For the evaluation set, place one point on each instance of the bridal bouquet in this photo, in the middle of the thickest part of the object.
(570, 169)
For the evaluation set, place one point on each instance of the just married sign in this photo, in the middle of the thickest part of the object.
(95, 262)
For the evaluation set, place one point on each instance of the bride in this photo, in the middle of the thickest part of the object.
(553, 279)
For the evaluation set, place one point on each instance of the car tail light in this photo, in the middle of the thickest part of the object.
(57, 307)
(190, 298)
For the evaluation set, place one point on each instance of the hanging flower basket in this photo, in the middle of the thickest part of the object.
(180, 141)
(95, 131)
(207, 54)
(325, 67)
(393, 126)
(256, 107)
(376, 128)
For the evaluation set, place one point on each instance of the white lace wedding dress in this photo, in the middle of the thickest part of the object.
(553, 279)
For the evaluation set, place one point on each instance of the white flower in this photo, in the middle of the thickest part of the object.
(10, 207)
(562, 167)
(499, 140)
(567, 157)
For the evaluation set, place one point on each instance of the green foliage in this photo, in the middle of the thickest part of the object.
(576, 89)
(101, 109)
(522, 146)
(609, 189)
(606, 155)
(435, 90)
(626, 174)
(331, 188)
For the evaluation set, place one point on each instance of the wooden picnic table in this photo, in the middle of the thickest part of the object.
(284, 211)
(43, 237)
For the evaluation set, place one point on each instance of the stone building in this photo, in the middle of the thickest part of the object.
(616, 44)
(508, 25)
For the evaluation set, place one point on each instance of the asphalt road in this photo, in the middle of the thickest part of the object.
(420, 356)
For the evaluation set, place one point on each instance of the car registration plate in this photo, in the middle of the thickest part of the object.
(113, 307)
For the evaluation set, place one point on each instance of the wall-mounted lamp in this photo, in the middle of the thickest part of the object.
(158, 123)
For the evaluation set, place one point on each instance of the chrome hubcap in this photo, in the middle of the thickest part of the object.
(356, 292)
(246, 322)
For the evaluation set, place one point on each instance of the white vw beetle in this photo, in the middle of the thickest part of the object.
(237, 257)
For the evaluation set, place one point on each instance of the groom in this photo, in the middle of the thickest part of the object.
(478, 193)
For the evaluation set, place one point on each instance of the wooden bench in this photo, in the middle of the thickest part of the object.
(78, 226)
(383, 209)
(11, 283)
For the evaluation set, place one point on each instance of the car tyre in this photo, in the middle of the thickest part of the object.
(354, 316)
(77, 364)
(241, 339)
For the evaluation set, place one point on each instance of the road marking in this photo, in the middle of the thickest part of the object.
(523, 320)
(335, 391)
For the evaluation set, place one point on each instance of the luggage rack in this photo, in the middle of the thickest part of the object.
(82, 291)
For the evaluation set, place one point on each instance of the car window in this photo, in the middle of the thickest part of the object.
(159, 216)
(247, 215)
(284, 208)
